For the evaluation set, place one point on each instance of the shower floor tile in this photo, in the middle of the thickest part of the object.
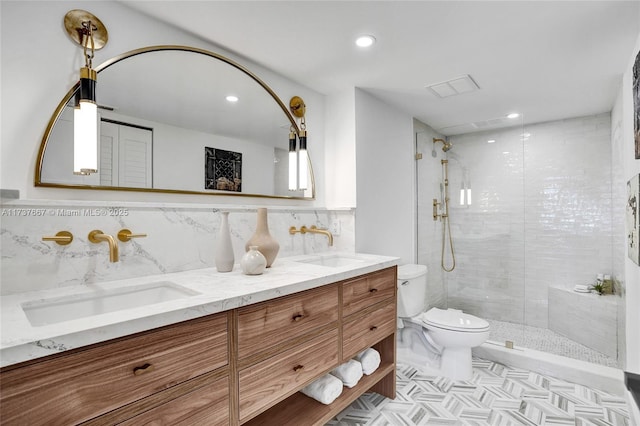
(542, 339)
(496, 395)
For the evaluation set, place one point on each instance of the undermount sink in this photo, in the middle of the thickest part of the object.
(333, 260)
(55, 310)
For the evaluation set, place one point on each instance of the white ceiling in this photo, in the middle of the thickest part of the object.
(545, 59)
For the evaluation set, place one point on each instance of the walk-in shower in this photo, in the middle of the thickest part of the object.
(539, 225)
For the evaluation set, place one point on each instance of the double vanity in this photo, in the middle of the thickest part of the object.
(198, 347)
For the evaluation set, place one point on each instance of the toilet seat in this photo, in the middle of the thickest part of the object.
(453, 320)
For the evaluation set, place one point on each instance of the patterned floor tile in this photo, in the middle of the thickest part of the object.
(496, 396)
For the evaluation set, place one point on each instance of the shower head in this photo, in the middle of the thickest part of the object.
(446, 146)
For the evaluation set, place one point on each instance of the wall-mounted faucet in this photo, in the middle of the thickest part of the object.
(312, 230)
(97, 236)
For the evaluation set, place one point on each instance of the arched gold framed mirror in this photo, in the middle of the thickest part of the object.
(167, 126)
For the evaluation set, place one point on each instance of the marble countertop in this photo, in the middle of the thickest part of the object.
(214, 292)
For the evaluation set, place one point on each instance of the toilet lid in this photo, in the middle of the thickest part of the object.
(452, 319)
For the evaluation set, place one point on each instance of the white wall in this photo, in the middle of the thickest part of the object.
(340, 158)
(385, 214)
(39, 67)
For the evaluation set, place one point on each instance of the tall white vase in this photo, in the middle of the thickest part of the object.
(224, 249)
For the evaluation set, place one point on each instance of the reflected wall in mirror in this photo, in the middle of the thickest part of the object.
(160, 107)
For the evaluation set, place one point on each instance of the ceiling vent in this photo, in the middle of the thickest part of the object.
(455, 86)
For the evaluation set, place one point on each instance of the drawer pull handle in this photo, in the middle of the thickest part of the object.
(297, 317)
(144, 369)
(298, 368)
(373, 290)
(373, 328)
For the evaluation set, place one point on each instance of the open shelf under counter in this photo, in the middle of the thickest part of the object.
(288, 412)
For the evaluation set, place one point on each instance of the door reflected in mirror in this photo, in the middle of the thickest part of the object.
(161, 112)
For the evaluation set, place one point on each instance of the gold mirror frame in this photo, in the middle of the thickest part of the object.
(59, 109)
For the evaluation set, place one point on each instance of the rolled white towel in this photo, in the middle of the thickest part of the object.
(349, 372)
(370, 360)
(325, 389)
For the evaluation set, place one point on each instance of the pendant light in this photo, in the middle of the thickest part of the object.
(89, 32)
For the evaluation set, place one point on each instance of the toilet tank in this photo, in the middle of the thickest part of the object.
(412, 290)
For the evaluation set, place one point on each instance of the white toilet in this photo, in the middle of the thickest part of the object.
(444, 335)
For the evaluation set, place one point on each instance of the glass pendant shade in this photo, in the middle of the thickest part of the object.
(293, 163)
(85, 138)
(85, 125)
(303, 165)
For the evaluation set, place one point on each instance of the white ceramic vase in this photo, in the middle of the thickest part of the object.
(224, 249)
(253, 262)
(267, 245)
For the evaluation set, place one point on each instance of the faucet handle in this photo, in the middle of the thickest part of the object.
(293, 230)
(63, 238)
(125, 235)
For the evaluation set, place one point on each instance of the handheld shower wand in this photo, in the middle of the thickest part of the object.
(444, 216)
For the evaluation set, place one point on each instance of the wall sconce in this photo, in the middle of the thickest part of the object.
(89, 32)
(301, 166)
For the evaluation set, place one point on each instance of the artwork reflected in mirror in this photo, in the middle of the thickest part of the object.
(151, 100)
(223, 170)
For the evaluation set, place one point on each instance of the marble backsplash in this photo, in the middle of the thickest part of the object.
(179, 238)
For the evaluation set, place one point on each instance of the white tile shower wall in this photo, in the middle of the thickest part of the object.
(178, 239)
(541, 216)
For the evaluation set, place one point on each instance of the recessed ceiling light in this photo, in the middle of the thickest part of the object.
(232, 98)
(365, 41)
(491, 141)
(513, 115)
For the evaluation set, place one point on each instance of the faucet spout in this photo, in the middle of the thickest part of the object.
(314, 230)
(97, 236)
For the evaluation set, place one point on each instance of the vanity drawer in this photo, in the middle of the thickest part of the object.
(75, 387)
(364, 331)
(270, 323)
(368, 290)
(206, 406)
(270, 381)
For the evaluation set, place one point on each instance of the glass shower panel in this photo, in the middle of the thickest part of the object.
(486, 214)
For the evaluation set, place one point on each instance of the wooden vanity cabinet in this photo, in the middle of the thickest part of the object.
(244, 366)
(118, 379)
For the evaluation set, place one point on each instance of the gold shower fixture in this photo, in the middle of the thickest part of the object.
(446, 145)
